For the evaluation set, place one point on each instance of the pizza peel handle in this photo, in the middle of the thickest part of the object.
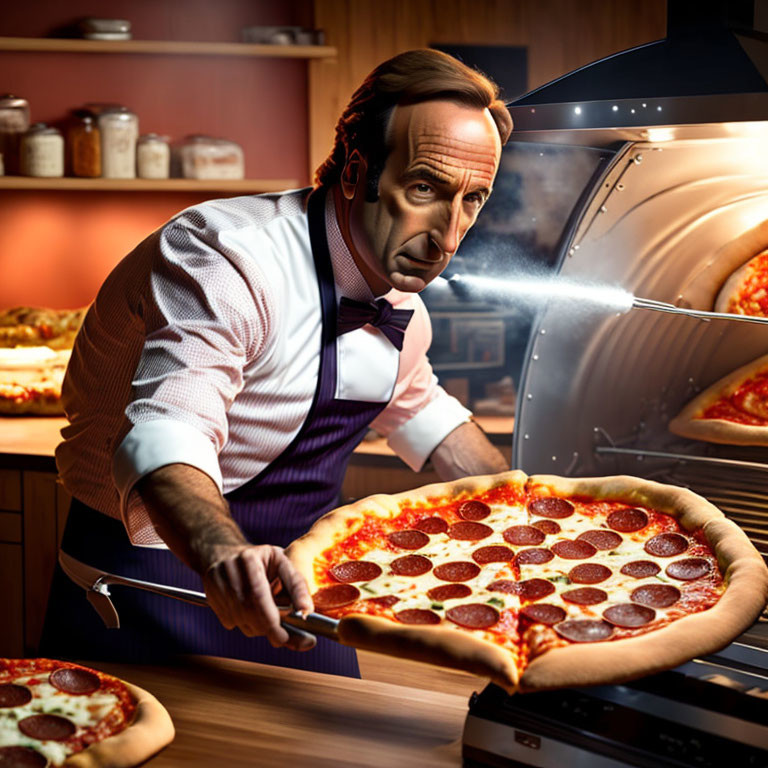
(96, 583)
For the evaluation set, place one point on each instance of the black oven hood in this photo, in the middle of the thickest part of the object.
(712, 67)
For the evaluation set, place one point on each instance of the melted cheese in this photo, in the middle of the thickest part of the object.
(85, 711)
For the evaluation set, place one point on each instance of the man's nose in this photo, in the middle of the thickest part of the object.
(447, 230)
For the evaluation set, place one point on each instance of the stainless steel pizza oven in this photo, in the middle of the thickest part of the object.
(657, 185)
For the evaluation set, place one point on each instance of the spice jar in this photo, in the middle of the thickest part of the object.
(42, 151)
(204, 157)
(153, 157)
(119, 130)
(84, 140)
(14, 121)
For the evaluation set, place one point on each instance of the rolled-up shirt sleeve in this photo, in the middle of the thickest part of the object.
(203, 321)
(421, 413)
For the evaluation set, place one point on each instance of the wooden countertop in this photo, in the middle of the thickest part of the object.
(39, 437)
(244, 714)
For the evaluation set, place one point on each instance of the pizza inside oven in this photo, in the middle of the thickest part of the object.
(499, 574)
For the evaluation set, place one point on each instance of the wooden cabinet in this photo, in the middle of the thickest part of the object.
(33, 509)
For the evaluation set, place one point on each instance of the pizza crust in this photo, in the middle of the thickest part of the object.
(746, 594)
(703, 290)
(605, 662)
(687, 423)
(150, 731)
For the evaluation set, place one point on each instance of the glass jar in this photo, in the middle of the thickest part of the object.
(14, 121)
(42, 151)
(153, 157)
(119, 131)
(84, 140)
(204, 157)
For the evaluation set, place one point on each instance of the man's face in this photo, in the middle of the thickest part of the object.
(436, 179)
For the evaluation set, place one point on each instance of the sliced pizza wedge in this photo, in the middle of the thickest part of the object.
(733, 410)
(746, 290)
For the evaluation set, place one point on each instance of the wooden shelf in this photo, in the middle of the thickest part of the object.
(164, 47)
(246, 186)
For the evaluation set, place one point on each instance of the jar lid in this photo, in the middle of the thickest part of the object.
(9, 101)
(153, 137)
(121, 113)
(40, 129)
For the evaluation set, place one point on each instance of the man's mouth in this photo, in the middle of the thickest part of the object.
(427, 263)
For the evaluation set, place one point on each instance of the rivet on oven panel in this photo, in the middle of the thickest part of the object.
(620, 187)
(645, 105)
(535, 357)
(529, 396)
(554, 458)
(637, 159)
(614, 108)
(658, 109)
(543, 331)
(603, 209)
(526, 437)
(632, 111)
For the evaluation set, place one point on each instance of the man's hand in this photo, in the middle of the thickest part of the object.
(241, 586)
(240, 579)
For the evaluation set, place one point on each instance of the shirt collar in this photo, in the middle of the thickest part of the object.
(349, 280)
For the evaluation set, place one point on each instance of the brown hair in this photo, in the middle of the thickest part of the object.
(408, 78)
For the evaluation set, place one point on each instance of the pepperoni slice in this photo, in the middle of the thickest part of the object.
(584, 630)
(449, 592)
(408, 539)
(656, 595)
(551, 507)
(601, 539)
(47, 727)
(474, 510)
(504, 585)
(353, 570)
(411, 565)
(688, 569)
(547, 526)
(465, 531)
(640, 569)
(473, 615)
(524, 535)
(627, 520)
(14, 695)
(432, 525)
(335, 597)
(666, 545)
(629, 615)
(21, 757)
(573, 550)
(585, 596)
(544, 613)
(493, 554)
(457, 571)
(417, 616)
(73, 680)
(531, 590)
(386, 601)
(589, 573)
(533, 556)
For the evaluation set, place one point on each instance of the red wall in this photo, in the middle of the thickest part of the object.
(57, 247)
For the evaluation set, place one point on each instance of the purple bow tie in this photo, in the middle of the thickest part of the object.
(391, 322)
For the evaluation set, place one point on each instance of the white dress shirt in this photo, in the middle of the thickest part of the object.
(203, 348)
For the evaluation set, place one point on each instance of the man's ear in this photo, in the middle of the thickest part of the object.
(354, 170)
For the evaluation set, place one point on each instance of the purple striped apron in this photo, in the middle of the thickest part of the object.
(275, 507)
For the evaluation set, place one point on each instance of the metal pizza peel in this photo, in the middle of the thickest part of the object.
(96, 584)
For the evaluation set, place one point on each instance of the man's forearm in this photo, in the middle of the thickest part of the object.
(189, 514)
(467, 451)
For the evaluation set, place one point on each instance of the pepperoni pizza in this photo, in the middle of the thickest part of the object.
(536, 582)
(733, 410)
(54, 713)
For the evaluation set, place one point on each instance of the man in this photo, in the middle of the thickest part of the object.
(232, 362)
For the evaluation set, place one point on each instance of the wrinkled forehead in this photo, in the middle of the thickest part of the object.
(446, 137)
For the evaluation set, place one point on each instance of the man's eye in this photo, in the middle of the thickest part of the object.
(475, 198)
(423, 189)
